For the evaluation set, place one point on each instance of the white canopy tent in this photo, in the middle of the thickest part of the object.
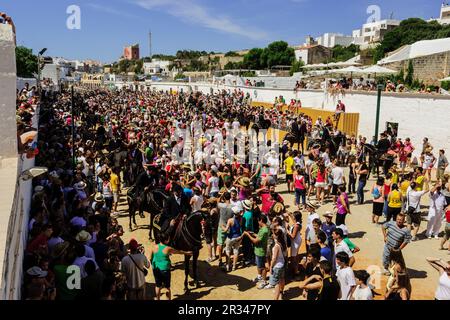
(331, 65)
(445, 79)
(378, 69)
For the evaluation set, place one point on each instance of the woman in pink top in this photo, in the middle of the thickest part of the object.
(342, 206)
(321, 182)
(300, 189)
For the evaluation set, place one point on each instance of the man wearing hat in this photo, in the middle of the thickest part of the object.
(84, 237)
(133, 266)
(176, 206)
(312, 214)
(328, 226)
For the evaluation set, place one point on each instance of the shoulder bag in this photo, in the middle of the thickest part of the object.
(144, 271)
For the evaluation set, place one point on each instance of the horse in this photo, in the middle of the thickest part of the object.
(134, 204)
(378, 158)
(292, 138)
(186, 236)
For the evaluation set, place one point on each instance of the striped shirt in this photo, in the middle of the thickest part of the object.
(395, 235)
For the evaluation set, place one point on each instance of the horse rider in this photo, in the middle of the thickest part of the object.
(175, 208)
(144, 182)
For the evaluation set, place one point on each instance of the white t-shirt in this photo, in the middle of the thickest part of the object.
(236, 125)
(299, 161)
(309, 225)
(362, 294)
(237, 203)
(413, 198)
(326, 159)
(214, 183)
(198, 201)
(338, 175)
(342, 247)
(274, 164)
(443, 289)
(346, 279)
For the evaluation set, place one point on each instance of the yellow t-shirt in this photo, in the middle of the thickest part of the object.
(404, 187)
(394, 178)
(395, 200)
(419, 182)
(114, 180)
(289, 163)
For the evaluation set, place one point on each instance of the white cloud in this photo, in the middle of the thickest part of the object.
(193, 12)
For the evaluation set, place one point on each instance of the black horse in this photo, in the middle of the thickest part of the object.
(378, 158)
(293, 138)
(135, 203)
(185, 237)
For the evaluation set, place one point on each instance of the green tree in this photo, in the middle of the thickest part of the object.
(231, 54)
(296, 66)
(341, 53)
(277, 53)
(410, 75)
(252, 59)
(179, 76)
(138, 66)
(26, 62)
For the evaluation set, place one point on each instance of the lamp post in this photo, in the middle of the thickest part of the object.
(40, 53)
(380, 88)
(73, 128)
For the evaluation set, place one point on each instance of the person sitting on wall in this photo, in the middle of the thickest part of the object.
(340, 108)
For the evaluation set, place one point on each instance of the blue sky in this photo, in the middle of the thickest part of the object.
(210, 25)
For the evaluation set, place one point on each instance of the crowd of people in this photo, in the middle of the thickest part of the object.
(362, 84)
(186, 145)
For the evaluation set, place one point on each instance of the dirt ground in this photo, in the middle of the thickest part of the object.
(238, 284)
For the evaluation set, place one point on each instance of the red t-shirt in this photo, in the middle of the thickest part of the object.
(268, 202)
(447, 216)
(36, 243)
(299, 182)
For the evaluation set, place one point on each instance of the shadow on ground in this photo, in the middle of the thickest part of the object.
(416, 274)
(213, 276)
(358, 234)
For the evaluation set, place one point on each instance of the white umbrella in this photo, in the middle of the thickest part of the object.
(445, 79)
(349, 70)
(378, 69)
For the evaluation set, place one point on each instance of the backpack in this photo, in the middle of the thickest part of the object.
(376, 193)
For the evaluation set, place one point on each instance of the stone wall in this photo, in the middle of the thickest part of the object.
(8, 126)
(318, 54)
(429, 69)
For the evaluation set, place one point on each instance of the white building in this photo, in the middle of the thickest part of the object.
(51, 71)
(330, 40)
(444, 17)
(374, 31)
(157, 67)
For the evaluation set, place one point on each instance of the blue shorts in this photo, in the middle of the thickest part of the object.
(260, 262)
(276, 276)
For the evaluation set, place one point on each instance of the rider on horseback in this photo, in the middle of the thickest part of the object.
(177, 206)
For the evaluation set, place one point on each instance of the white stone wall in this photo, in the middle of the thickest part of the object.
(8, 127)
